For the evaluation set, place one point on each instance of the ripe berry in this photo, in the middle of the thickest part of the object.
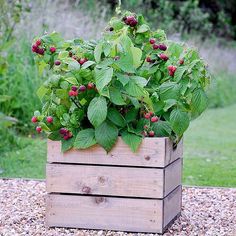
(34, 48)
(39, 129)
(181, 61)
(82, 61)
(75, 57)
(151, 133)
(49, 119)
(151, 113)
(163, 57)
(148, 59)
(154, 119)
(152, 41)
(155, 46)
(52, 49)
(147, 115)
(38, 42)
(40, 51)
(57, 63)
(82, 88)
(62, 131)
(172, 70)
(90, 86)
(73, 93)
(133, 23)
(74, 88)
(66, 137)
(34, 119)
(162, 47)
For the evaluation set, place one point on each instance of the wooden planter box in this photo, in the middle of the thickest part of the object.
(121, 190)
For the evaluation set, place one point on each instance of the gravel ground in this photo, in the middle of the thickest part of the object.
(206, 211)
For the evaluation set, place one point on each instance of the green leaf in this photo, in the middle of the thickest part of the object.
(55, 136)
(103, 77)
(85, 139)
(115, 117)
(169, 90)
(199, 101)
(162, 128)
(98, 52)
(175, 49)
(141, 81)
(131, 115)
(169, 103)
(124, 79)
(42, 92)
(97, 111)
(71, 80)
(134, 89)
(87, 64)
(179, 121)
(137, 55)
(116, 96)
(132, 140)
(179, 72)
(106, 135)
(143, 28)
(67, 144)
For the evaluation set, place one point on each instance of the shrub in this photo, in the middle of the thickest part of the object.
(133, 82)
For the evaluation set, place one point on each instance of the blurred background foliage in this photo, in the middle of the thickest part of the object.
(206, 24)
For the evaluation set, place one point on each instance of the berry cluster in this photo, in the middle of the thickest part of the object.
(35, 119)
(81, 61)
(171, 70)
(37, 49)
(130, 20)
(65, 133)
(152, 118)
(82, 88)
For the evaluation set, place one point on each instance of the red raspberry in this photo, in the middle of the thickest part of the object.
(155, 46)
(181, 61)
(34, 119)
(63, 131)
(49, 119)
(38, 42)
(52, 49)
(163, 57)
(90, 86)
(74, 88)
(151, 133)
(148, 59)
(34, 48)
(82, 61)
(57, 63)
(152, 41)
(154, 119)
(147, 115)
(162, 47)
(39, 129)
(82, 88)
(40, 51)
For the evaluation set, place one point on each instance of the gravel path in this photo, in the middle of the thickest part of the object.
(206, 211)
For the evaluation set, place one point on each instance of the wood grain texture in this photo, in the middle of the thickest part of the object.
(122, 214)
(113, 181)
(173, 176)
(153, 152)
(172, 205)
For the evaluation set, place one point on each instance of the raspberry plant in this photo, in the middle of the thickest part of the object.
(132, 83)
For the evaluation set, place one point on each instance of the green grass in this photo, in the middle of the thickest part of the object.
(209, 152)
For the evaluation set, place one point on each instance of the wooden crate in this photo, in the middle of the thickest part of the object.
(121, 190)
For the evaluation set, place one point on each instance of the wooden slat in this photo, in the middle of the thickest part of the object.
(172, 205)
(173, 176)
(122, 214)
(153, 152)
(105, 180)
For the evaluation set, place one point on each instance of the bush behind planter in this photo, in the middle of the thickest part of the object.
(133, 82)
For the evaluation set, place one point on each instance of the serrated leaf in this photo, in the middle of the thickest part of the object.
(141, 81)
(179, 72)
(67, 144)
(88, 64)
(55, 136)
(199, 101)
(85, 139)
(97, 111)
(124, 79)
(169, 90)
(169, 103)
(103, 77)
(116, 97)
(132, 140)
(131, 115)
(137, 55)
(41, 92)
(115, 117)
(134, 89)
(162, 128)
(71, 80)
(98, 52)
(143, 28)
(106, 135)
(179, 121)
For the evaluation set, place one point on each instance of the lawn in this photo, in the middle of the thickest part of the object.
(209, 152)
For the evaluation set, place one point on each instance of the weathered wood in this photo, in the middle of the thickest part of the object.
(172, 205)
(113, 181)
(153, 152)
(109, 213)
(173, 176)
